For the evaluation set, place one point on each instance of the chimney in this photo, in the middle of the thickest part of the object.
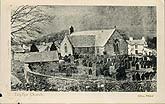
(130, 38)
(71, 29)
(115, 27)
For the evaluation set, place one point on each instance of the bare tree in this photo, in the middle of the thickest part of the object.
(26, 19)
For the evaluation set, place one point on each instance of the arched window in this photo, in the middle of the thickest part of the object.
(65, 46)
(116, 46)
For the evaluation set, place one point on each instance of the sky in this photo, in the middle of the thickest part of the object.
(101, 17)
(136, 21)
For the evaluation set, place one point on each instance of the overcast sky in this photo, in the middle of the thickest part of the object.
(98, 17)
(135, 21)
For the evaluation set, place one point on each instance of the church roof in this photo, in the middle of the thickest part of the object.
(46, 56)
(82, 41)
(90, 38)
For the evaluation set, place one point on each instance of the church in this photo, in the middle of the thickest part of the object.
(94, 42)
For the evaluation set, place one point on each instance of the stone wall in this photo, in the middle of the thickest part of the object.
(84, 50)
(123, 47)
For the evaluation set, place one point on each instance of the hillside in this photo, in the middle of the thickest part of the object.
(134, 21)
(58, 37)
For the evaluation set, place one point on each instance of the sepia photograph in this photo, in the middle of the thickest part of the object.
(82, 51)
(68, 48)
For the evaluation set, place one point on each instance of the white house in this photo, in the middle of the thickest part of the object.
(18, 51)
(94, 42)
(136, 47)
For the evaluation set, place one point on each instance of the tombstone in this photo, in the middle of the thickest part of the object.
(90, 64)
(153, 60)
(116, 65)
(137, 66)
(121, 74)
(143, 77)
(76, 56)
(118, 75)
(97, 73)
(137, 76)
(85, 64)
(151, 64)
(133, 63)
(133, 77)
(145, 58)
(130, 58)
(142, 64)
(128, 65)
(90, 72)
(136, 60)
(152, 74)
(112, 70)
(125, 66)
(133, 59)
(154, 69)
(145, 64)
(65, 58)
(71, 58)
(59, 55)
(68, 72)
(106, 73)
(147, 75)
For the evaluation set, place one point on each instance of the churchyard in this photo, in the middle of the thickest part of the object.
(89, 73)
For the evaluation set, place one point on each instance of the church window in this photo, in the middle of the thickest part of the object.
(66, 50)
(116, 46)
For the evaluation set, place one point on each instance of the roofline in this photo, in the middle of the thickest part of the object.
(109, 37)
(40, 61)
(84, 46)
(34, 61)
(114, 29)
(92, 30)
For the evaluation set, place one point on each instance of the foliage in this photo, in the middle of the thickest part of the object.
(151, 42)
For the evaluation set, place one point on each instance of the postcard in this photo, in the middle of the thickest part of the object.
(82, 51)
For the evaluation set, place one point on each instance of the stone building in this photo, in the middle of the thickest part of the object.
(94, 42)
(45, 63)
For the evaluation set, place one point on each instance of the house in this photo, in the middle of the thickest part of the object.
(18, 51)
(94, 42)
(136, 47)
(41, 60)
(39, 57)
(47, 46)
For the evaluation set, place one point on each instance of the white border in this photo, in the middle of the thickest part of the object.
(78, 97)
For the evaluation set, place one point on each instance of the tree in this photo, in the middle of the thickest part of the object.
(151, 42)
(27, 20)
(53, 47)
(34, 48)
